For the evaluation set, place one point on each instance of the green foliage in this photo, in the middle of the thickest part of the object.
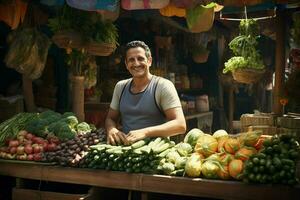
(83, 128)
(244, 47)
(295, 30)
(89, 24)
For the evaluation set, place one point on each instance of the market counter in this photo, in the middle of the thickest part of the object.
(149, 183)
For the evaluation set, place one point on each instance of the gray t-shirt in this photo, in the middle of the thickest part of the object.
(146, 108)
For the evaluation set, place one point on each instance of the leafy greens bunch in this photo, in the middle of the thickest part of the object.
(244, 48)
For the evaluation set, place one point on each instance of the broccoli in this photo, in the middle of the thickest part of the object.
(48, 113)
(83, 128)
(37, 127)
(52, 118)
(67, 114)
(64, 131)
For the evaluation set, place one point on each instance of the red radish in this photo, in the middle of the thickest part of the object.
(13, 143)
(38, 140)
(21, 138)
(54, 140)
(37, 156)
(22, 133)
(29, 136)
(23, 157)
(13, 150)
(30, 157)
(45, 145)
(51, 147)
(28, 142)
(36, 148)
(20, 150)
(28, 149)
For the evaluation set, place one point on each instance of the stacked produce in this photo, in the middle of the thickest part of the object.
(27, 146)
(64, 126)
(70, 152)
(275, 163)
(11, 127)
(142, 156)
(220, 156)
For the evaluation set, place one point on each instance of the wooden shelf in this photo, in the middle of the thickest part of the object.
(151, 183)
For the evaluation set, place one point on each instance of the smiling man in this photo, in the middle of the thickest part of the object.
(147, 105)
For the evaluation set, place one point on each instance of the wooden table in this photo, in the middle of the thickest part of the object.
(150, 183)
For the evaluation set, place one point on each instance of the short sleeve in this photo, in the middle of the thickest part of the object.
(117, 94)
(166, 94)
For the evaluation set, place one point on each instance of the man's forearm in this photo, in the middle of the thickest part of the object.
(110, 124)
(170, 128)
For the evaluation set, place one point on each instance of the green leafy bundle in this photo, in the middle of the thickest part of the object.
(89, 24)
(244, 48)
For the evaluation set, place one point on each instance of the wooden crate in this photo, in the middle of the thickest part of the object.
(257, 120)
(289, 122)
(26, 194)
(267, 130)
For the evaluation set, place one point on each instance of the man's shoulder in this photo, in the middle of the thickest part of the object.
(123, 82)
(163, 81)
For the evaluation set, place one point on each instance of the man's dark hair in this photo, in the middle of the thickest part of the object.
(137, 43)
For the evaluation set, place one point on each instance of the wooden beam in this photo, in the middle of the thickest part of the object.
(279, 63)
(151, 183)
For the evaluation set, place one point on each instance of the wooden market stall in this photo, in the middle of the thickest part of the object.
(193, 86)
(197, 187)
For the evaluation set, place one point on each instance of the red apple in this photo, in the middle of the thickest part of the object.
(28, 149)
(20, 150)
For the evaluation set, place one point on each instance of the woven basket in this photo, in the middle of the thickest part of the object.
(247, 75)
(100, 49)
(201, 57)
(68, 39)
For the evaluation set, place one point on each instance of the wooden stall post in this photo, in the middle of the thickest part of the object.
(28, 94)
(279, 63)
(78, 96)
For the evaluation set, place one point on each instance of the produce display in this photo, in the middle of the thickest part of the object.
(71, 152)
(275, 163)
(59, 138)
(27, 146)
(11, 127)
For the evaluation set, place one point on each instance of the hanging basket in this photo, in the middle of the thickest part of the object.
(201, 57)
(67, 39)
(247, 75)
(100, 49)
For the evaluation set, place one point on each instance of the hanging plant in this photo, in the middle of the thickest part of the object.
(247, 57)
(84, 30)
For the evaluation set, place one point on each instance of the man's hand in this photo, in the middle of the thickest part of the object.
(116, 137)
(136, 135)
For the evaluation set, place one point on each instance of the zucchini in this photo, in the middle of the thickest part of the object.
(139, 144)
(162, 148)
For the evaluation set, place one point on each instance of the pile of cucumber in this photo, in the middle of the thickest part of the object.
(140, 157)
(275, 163)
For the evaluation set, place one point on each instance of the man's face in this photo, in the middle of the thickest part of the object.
(137, 63)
